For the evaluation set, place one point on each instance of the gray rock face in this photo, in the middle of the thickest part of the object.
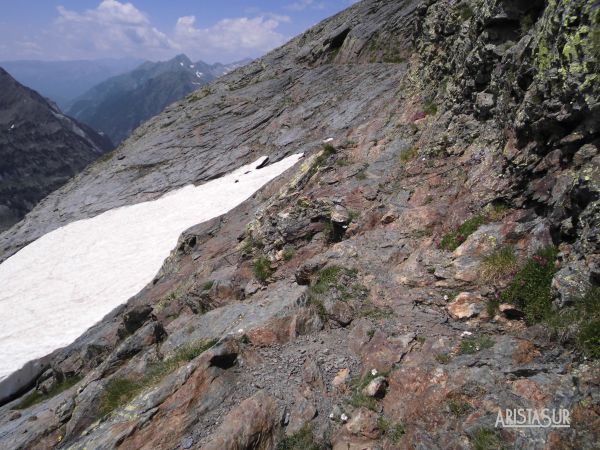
(278, 105)
(40, 149)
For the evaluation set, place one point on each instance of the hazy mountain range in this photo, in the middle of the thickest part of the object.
(121, 103)
(63, 81)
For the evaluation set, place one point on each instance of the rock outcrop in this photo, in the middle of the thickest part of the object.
(431, 265)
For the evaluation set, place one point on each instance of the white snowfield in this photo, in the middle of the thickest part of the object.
(63, 283)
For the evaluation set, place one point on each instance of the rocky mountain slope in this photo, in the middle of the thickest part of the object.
(63, 81)
(40, 149)
(120, 104)
(433, 263)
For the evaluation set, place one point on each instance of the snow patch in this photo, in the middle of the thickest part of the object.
(181, 64)
(199, 74)
(63, 283)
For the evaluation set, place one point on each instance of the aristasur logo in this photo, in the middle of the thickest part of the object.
(533, 418)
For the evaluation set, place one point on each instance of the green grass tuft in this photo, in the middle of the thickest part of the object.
(338, 279)
(499, 264)
(262, 269)
(289, 252)
(37, 396)
(250, 243)
(530, 288)
(486, 439)
(408, 154)
(471, 346)
(430, 108)
(459, 408)
(208, 285)
(303, 439)
(452, 240)
(122, 390)
(118, 392)
(443, 358)
(393, 431)
(580, 323)
(327, 151)
(358, 399)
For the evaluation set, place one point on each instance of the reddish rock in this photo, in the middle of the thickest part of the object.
(382, 352)
(312, 376)
(359, 433)
(304, 410)
(280, 330)
(342, 313)
(249, 426)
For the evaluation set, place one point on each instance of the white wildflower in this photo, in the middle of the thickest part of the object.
(344, 417)
(374, 372)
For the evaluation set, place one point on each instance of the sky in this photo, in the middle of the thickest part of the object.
(208, 30)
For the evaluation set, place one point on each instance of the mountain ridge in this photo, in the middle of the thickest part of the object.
(121, 103)
(40, 148)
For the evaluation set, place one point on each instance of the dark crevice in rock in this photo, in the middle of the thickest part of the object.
(224, 361)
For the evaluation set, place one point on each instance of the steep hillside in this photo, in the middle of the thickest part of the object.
(120, 104)
(432, 263)
(40, 149)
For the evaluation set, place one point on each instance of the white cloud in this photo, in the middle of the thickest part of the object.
(112, 27)
(301, 5)
(119, 29)
(249, 35)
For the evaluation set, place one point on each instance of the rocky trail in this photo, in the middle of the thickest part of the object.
(432, 260)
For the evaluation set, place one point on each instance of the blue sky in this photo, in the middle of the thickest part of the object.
(225, 30)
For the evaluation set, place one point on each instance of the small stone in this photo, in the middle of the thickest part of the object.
(466, 305)
(388, 217)
(341, 377)
(340, 215)
(376, 388)
(484, 101)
